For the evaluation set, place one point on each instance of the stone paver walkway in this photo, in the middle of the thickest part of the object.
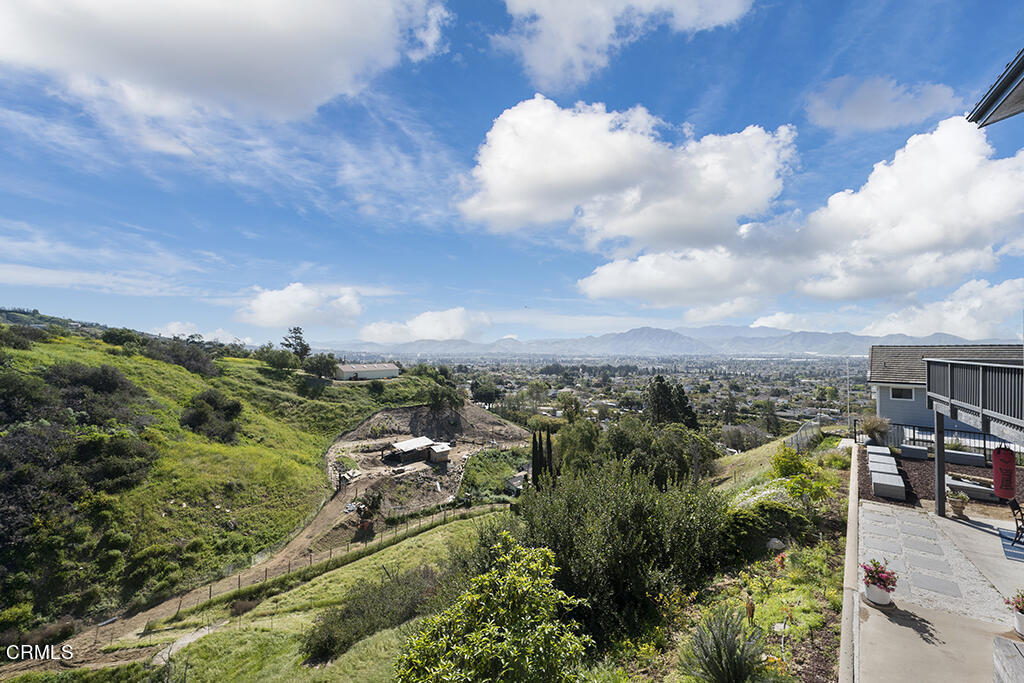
(933, 572)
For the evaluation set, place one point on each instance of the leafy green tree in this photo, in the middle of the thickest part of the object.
(321, 365)
(729, 410)
(577, 443)
(569, 405)
(484, 389)
(443, 398)
(506, 627)
(281, 359)
(296, 343)
(766, 410)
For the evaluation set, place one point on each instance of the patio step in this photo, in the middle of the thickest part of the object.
(888, 486)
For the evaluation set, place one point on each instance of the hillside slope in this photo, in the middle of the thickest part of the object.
(195, 506)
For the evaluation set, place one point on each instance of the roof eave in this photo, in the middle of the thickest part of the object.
(984, 112)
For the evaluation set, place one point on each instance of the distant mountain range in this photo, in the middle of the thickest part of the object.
(732, 340)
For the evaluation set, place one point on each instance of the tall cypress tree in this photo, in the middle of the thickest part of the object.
(550, 459)
(535, 462)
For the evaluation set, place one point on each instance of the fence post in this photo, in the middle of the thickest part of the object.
(239, 582)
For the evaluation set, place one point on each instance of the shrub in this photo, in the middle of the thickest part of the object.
(836, 459)
(191, 356)
(786, 462)
(375, 387)
(743, 437)
(213, 414)
(369, 606)
(504, 628)
(876, 427)
(722, 650)
(620, 542)
(748, 530)
(121, 336)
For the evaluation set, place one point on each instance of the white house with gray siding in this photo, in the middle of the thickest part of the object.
(897, 375)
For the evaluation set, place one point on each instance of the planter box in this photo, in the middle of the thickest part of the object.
(965, 458)
(974, 491)
(913, 452)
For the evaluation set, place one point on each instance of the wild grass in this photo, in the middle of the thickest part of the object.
(265, 655)
(227, 502)
(738, 471)
(487, 471)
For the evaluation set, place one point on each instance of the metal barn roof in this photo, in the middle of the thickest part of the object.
(363, 367)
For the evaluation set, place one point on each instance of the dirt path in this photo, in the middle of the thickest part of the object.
(88, 644)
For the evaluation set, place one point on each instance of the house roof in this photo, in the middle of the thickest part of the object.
(414, 444)
(1006, 96)
(363, 367)
(905, 364)
(440, 448)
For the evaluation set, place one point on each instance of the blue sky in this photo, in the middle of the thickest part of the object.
(390, 170)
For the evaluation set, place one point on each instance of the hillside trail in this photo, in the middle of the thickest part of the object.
(297, 552)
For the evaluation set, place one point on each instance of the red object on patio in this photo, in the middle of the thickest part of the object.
(1004, 472)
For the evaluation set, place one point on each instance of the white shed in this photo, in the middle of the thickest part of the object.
(367, 371)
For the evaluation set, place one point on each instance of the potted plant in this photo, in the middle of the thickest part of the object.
(957, 501)
(1016, 603)
(876, 428)
(879, 582)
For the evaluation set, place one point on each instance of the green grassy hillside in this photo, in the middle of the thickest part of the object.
(201, 505)
(266, 644)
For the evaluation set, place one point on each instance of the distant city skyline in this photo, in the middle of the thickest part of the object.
(397, 170)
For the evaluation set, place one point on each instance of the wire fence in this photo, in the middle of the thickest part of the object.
(805, 438)
(312, 564)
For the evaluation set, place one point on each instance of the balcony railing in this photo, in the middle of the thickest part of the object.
(986, 395)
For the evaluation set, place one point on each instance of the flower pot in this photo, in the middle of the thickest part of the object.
(1018, 623)
(876, 594)
(957, 506)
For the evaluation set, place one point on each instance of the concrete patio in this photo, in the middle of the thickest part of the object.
(948, 604)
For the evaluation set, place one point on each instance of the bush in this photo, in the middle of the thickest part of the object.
(876, 427)
(121, 336)
(748, 530)
(191, 356)
(836, 458)
(375, 387)
(786, 462)
(620, 541)
(213, 414)
(369, 606)
(743, 437)
(722, 650)
(504, 628)
(13, 336)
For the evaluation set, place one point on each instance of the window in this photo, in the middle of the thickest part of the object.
(901, 393)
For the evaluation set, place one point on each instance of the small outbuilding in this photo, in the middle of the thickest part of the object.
(439, 452)
(367, 371)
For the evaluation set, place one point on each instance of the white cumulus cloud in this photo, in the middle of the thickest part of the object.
(975, 310)
(616, 180)
(942, 209)
(563, 42)
(185, 329)
(454, 323)
(846, 105)
(273, 56)
(300, 304)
